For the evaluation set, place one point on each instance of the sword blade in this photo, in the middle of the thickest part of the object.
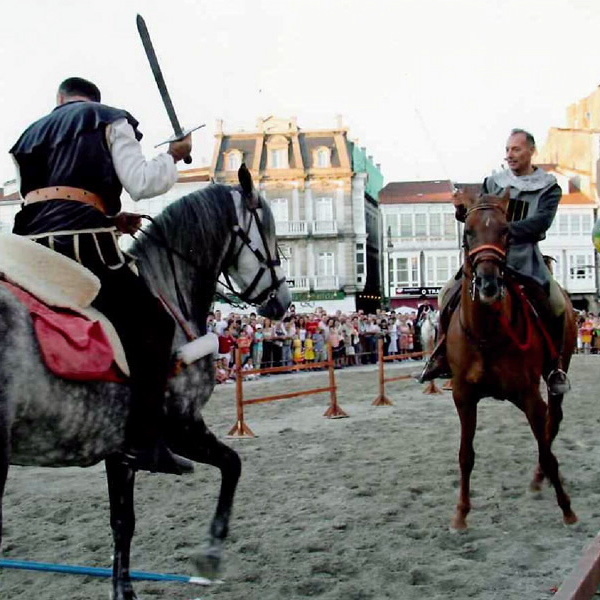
(158, 76)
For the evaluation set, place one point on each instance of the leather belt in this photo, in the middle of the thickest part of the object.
(64, 192)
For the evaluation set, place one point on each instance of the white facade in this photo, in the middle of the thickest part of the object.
(421, 245)
(569, 242)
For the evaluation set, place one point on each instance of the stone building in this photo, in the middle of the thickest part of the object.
(323, 190)
(572, 154)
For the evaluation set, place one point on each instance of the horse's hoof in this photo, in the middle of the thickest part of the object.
(459, 523)
(570, 518)
(207, 565)
(535, 486)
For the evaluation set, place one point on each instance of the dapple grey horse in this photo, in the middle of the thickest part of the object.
(52, 422)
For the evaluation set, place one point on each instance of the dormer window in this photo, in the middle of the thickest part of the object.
(277, 152)
(233, 160)
(322, 158)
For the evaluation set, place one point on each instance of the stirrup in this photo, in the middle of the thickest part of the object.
(558, 382)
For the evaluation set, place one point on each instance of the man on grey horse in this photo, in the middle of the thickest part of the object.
(72, 166)
(534, 199)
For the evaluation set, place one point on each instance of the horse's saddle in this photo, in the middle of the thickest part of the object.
(57, 282)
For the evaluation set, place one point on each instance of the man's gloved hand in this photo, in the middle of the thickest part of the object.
(127, 222)
(180, 149)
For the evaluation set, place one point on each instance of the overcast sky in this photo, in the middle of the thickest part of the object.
(430, 87)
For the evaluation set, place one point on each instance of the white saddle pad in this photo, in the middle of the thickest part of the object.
(57, 281)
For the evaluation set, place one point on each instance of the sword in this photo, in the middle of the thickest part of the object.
(179, 133)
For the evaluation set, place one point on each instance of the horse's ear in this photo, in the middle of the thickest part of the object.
(245, 179)
(463, 197)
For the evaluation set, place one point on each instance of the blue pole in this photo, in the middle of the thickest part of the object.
(100, 572)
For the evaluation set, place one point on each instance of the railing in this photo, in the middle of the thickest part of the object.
(291, 228)
(326, 282)
(324, 228)
(299, 283)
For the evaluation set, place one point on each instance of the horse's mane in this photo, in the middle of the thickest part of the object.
(197, 226)
(194, 225)
(196, 222)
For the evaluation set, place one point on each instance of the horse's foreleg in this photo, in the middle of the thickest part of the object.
(122, 521)
(467, 412)
(536, 412)
(202, 446)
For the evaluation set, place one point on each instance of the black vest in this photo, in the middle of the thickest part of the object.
(68, 147)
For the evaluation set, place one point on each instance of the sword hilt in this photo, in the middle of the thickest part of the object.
(177, 137)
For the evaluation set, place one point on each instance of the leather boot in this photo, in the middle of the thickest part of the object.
(557, 379)
(156, 458)
(437, 366)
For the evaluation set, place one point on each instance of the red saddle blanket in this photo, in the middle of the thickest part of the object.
(72, 346)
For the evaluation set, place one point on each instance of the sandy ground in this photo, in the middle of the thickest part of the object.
(348, 509)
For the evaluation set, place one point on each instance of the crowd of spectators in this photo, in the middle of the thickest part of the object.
(588, 333)
(303, 338)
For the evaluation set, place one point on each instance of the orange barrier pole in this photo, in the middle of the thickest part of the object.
(334, 411)
(382, 399)
(583, 582)
(240, 429)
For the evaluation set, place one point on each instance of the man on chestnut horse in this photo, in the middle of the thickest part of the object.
(534, 199)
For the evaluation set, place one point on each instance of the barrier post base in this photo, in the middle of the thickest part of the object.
(382, 400)
(335, 412)
(240, 431)
(432, 388)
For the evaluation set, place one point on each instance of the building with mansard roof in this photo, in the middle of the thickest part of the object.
(323, 190)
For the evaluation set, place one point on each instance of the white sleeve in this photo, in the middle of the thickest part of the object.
(141, 178)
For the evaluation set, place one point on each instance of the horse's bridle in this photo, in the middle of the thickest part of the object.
(267, 262)
(484, 252)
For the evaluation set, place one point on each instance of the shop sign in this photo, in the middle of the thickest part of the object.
(418, 291)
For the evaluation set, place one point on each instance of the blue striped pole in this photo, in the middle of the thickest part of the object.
(28, 565)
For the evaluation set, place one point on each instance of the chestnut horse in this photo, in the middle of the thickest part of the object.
(496, 348)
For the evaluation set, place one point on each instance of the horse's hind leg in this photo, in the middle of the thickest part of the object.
(536, 412)
(553, 420)
(466, 405)
(202, 446)
(122, 521)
